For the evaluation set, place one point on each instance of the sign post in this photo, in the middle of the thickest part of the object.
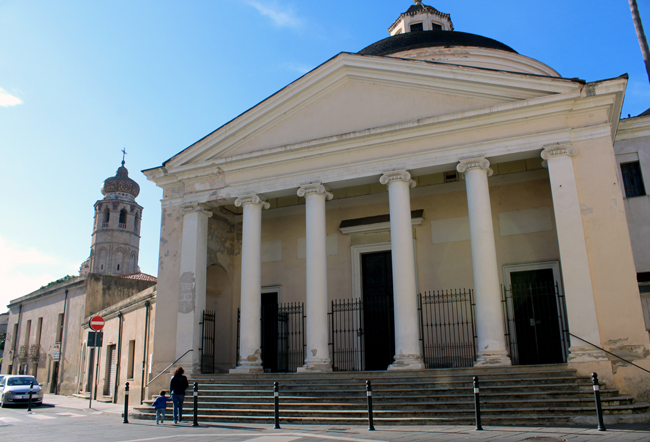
(95, 340)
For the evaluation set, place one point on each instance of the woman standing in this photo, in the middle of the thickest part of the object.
(177, 386)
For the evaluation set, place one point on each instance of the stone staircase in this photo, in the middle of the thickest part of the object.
(526, 395)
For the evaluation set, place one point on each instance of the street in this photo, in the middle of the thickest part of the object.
(69, 419)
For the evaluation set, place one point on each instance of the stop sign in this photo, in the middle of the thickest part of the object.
(97, 323)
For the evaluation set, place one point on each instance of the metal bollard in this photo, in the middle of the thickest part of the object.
(126, 403)
(31, 391)
(371, 425)
(276, 400)
(196, 405)
(599, 408)
(477, 405)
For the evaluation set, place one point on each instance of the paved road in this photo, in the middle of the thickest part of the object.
(70, 420)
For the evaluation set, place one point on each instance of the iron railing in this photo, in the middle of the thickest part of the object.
(447, 328)
(283, 337)
(536, 323)
(206, 352)
(346, 335)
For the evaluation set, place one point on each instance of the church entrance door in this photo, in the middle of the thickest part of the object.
(378, 312)
(538, 318)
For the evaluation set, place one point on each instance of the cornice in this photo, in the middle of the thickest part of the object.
(376, 228)
(474, 164)
(252, 199)
(315, 189)
(49, 291)
(630, 128)
(396, 176)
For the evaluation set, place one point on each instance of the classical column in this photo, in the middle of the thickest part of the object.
(576, 275)
(407, 334)
(192, 286)
(318, 359)
(492, 349)
(250, 335)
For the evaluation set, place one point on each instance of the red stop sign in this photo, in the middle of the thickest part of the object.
(97, 323)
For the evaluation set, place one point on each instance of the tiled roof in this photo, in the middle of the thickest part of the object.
(428, 39)
(139, 275)
(644, 114)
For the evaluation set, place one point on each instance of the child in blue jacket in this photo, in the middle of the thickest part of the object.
(160, 404)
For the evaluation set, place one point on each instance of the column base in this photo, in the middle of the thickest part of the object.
(497, 359)
(407, 362)
(316, 366)
(588, 360)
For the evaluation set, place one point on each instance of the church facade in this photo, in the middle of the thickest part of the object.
(433, 179)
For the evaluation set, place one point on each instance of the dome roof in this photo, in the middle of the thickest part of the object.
(121, 183)
(429, 39)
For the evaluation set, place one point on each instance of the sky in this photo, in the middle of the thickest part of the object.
(81, 80)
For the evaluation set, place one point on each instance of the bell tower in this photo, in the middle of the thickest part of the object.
(116, 235)
(421, 17)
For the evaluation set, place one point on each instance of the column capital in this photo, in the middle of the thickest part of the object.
(252, 199)
(397, 175)
(195, 208)
(558, 150)
(474, 163)
(315, 188)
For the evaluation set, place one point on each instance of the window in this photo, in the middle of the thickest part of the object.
(632, 179)
(415, 27)
(131, 360)
(118, 267)
(107, 215)
(436, 26)
(27, 333)
(122, 220)
(39, 330)
(59, 328)
(135, 223)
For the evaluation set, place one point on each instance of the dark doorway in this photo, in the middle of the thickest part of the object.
(55, 377)
(378, 315)
(270, 332)
(537, 318)
(91, 363)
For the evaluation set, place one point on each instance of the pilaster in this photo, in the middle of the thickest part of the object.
(192, 285)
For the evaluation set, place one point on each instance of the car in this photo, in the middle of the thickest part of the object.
(15, 390)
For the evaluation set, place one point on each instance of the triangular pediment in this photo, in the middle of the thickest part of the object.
(352, 93)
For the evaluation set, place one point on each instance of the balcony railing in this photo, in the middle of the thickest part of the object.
(22, 353)
(121, 226)
(104, 225)
(34, 352)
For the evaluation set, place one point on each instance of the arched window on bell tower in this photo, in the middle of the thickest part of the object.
(122, 221)
(106, 217)
(136, 223)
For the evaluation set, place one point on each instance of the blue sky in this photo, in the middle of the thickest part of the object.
(80, 80)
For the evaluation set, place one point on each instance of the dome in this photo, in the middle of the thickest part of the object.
(432, 39)
(121, 183)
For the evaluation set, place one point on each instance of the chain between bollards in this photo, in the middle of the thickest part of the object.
(196, 405)
(599, 408)
(477, 405)
(31, 391)
(276, 402)
(371, 425)
(126, 403)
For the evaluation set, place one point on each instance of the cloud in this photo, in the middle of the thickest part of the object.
(23, 270)
(6, 99)
(280, 16)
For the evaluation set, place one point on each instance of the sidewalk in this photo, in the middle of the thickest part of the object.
(76, 403)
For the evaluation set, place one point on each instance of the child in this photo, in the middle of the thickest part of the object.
(160, 404)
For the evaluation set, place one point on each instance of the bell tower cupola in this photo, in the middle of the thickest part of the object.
(116, 233)
(421, 17)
